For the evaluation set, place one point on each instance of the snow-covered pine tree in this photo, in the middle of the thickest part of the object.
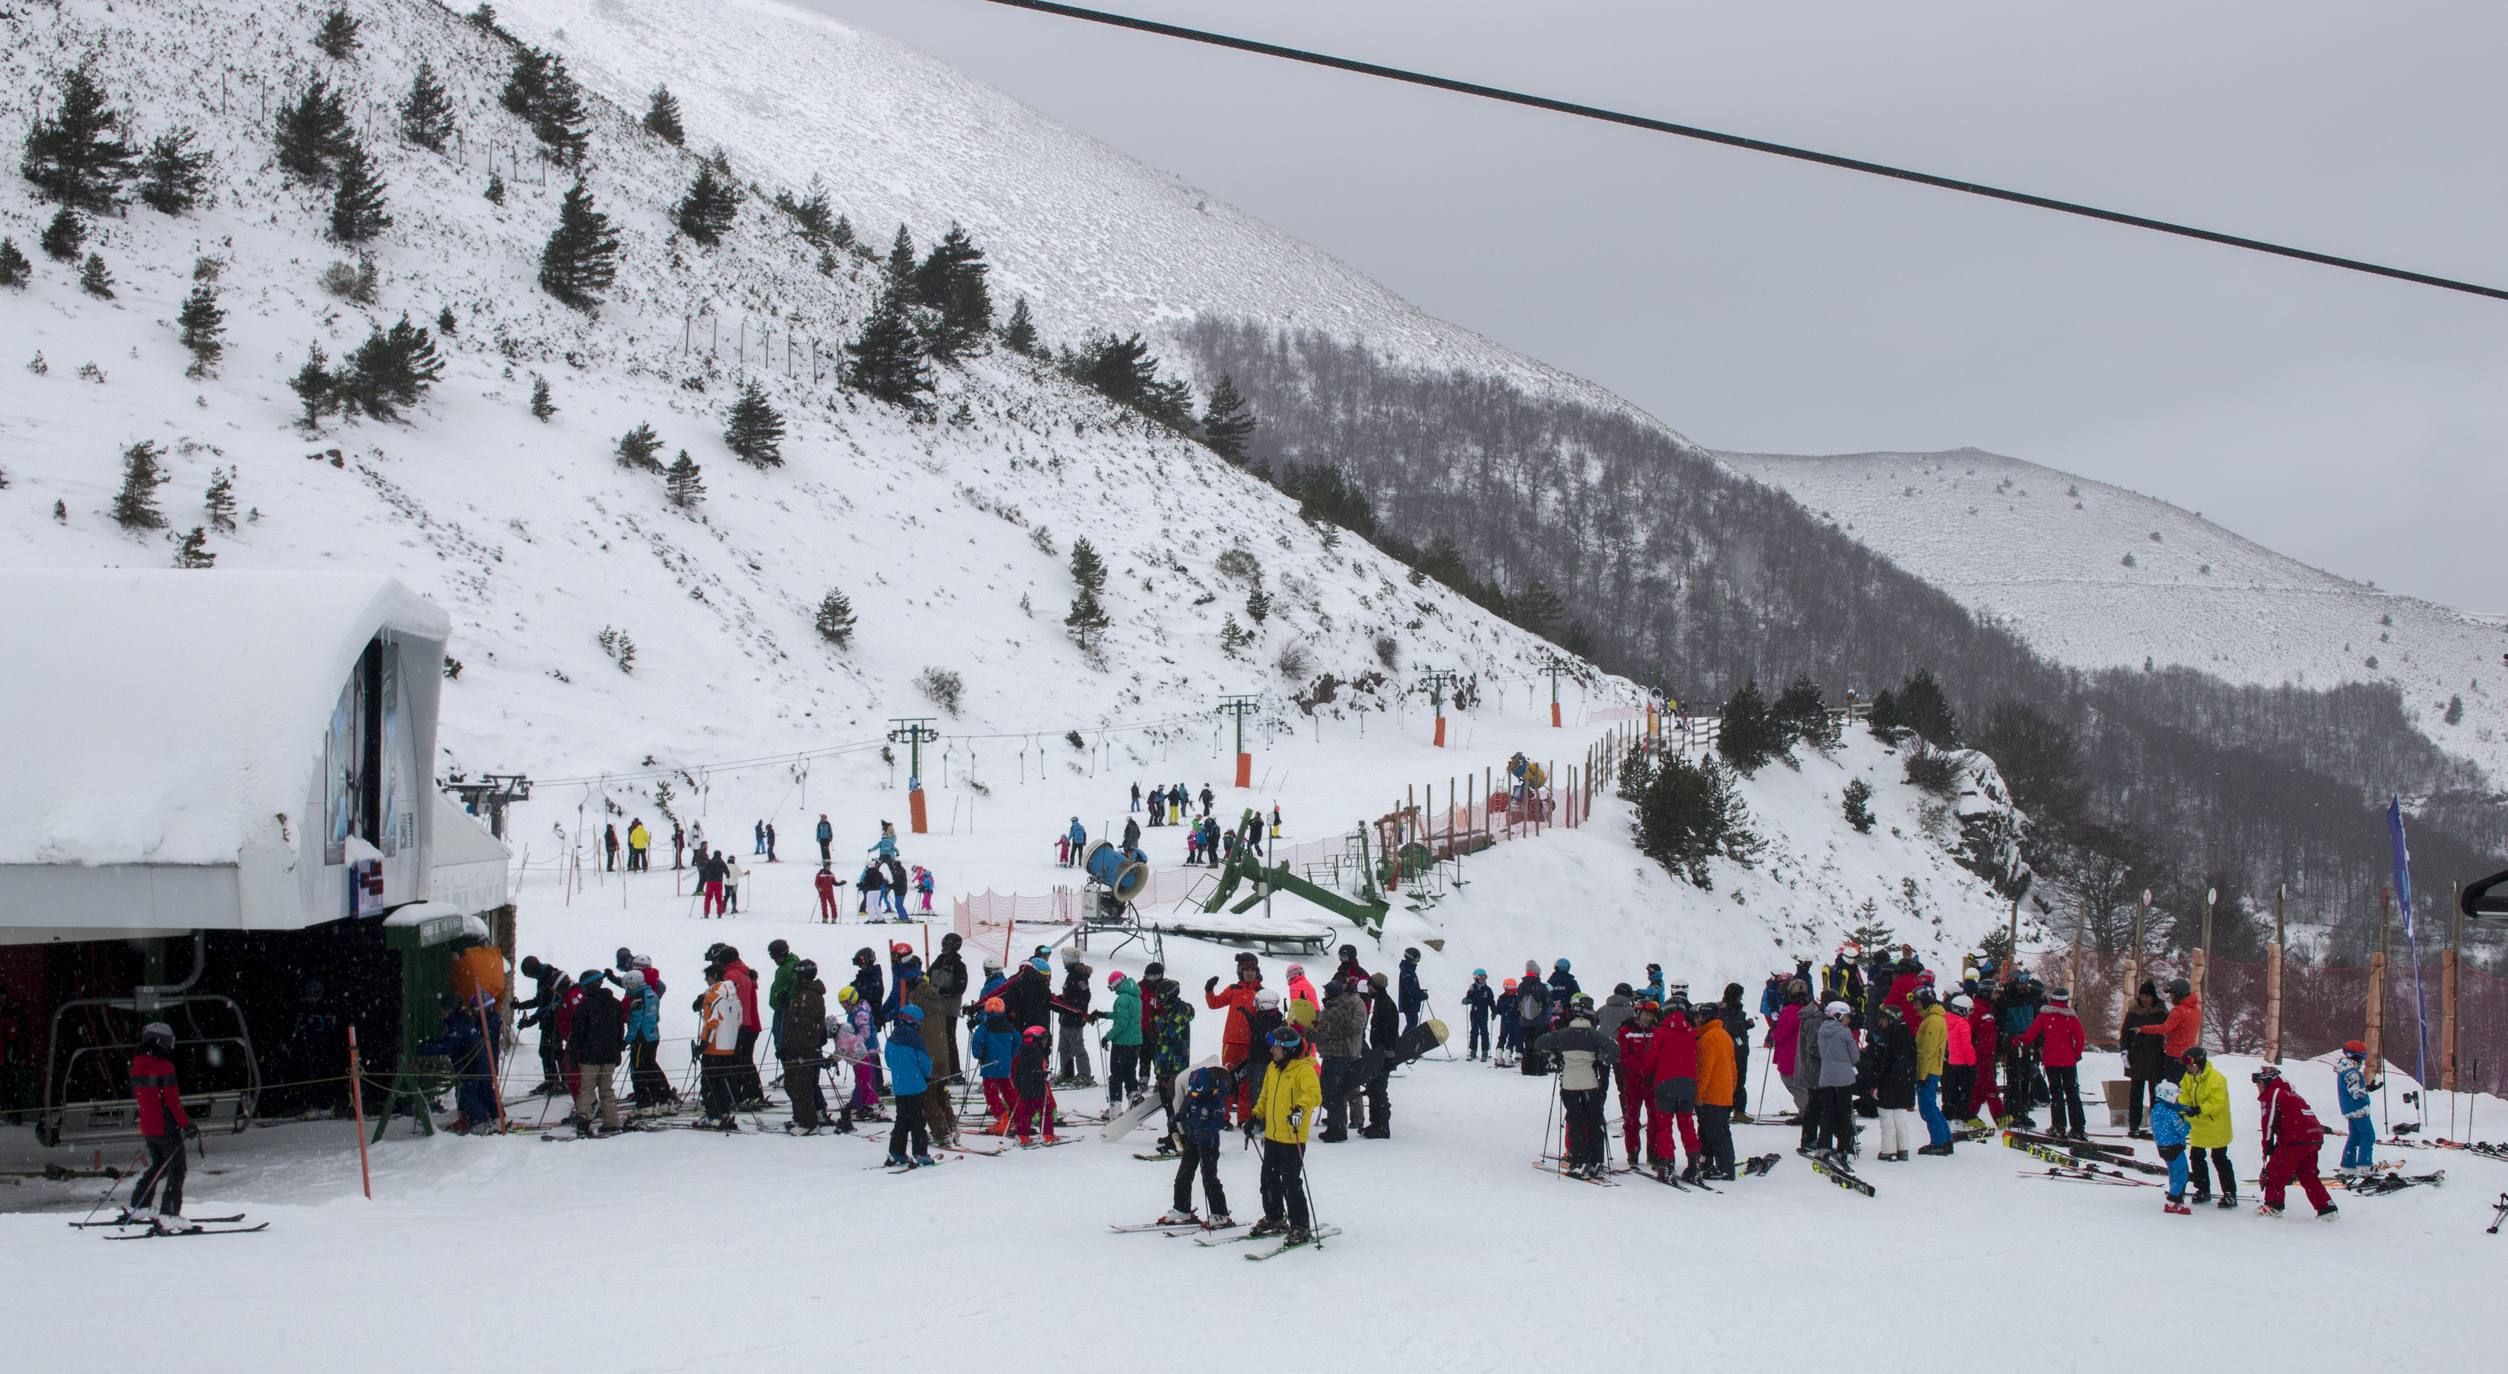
(317, 388)
(76, 155)
(951, 280)
(1228, 423)
(1750, 734)
(541, 406)
(192, 550)
(684, 485)
(496, 189)
(1858, 805)
(427, 111)
(835, 618)
(1233, 637)
(840, 234)
(357, 213)
(202, 327)
(640, 449)
(15, 270)
(1087, 567)
(811, 213)
(337, 38)
(558, 118)
(886, 359)
(219, 500)
(63, 236)
(712, 204)
(526, 83)
(174, 173)
(312, 132)
(1019, 335)
(901, 262)
(661, 118)
(390, 371)
(135, 505)
(753, 430)
(94, 279)
(581, 258)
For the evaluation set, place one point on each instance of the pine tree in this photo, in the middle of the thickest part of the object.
(711, 206)
(1087, 617)
(1805, 716)
(427, 111)
(951, 280)
(754, 431)
(901, 257)
(1228, 424)
(683, 485)
(192, 551)
(444, 322)
(390, 371)
(338, 35)
(1750, 735)
(581, 259)
(1859, 805)
(1233, 637)
(1019, 336)
(886, 359)
(219, 500)
(661, 118)
(496, 189)
(94, 279)
(173, 174)
(811, 214)
(202, 327)
(312, 132)
(1258, 605)
(317, 388)
(64, 236)
(639, 448)
(135, 505)
(1123, 371)
(558, 117)
(14, 268)
(1924, 709)
(1883, 717)
(357, 213)
(77, 156)
(527, 82)
(1537, 608)
(1691, 813)
(835, 619)
(1087, 567)
(841, 233)
(541, 406)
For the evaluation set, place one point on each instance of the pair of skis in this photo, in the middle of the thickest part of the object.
(155, 1230)
(1830, 1165)
(1315, 1237)
(2390, 1182)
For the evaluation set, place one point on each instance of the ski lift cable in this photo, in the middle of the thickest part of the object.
(1747, 144)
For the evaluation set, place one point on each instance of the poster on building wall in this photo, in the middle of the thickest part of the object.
(340, 753)
(389, 819)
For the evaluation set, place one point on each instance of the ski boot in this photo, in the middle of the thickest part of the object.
(1180, 1217)
(2176, 1207)
(174, 1224)
(898, 1161)
(2266, 1209)
(924, 1161)
(2228, 1202)
(1268, 1226)
(2328, 1212)
(1297, 1235)
(1219, 1221)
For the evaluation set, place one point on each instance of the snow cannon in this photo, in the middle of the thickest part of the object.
(1121, 874)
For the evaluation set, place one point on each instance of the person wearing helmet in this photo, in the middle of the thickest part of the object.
(1071, 1011)
(1985, 1029)
(598, 1042)
(1674, 1074)
(2057, 1037)
(1029, 1082)
(779, 989)
(1563, 985)
(1479, 1000)
(748, 1090)
(2292, 1138)
(1719, 1072)
(1636, 1043)
(803, 1022)
(1341, 1037)
(1200, 1122)
(718, 1042)
(1235, 1004)
(2352, 1089)
(1384, 1049)
(1168, 1036)
(858, 1044)
(157, 1199)
(1959, 1061)
(1531, 1015)
(643, 997)
(1123, 1042)
(1796, 1020)
(994, 1045)
(1284, 1109)
(2203, 1095)
(540, 1010)
(909, 1076)
(1653, 991)
(2168, 1135)
(1933, 1048)
(1412, 996)
(1585, 1056)
(1833, 1093)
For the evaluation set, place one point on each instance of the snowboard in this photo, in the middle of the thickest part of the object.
(1122, 1123)
(1421, 1040)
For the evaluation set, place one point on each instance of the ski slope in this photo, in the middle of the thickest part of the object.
(2043, 553)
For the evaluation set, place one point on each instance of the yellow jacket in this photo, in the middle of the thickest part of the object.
(638, 837)
(2207, 1094)
(1931, 1037)
(1287, 1088)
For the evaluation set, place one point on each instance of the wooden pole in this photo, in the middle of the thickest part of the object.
(357, 1111)
(2273, 983)
(2203, 962)
(2374, 1032)
(487, 1050)
(2133, 958)
(2072, 979)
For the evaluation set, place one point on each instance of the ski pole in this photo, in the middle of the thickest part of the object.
(113, 1182)
(1314, 1223)
(1545, 1125)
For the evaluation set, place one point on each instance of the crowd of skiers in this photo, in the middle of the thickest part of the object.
(1206, 843)
(888, 890)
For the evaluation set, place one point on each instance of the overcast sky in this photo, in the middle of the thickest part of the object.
(1766, 305)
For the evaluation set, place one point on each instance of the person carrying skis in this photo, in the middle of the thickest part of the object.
(1636, 1043)
(2203, 1095)
(2352, 1086)
(157, 1199)
(1028, 1085)
(1413, 996)
(1585, 1056)
(2292, 1136)
(1284, 1109)
(2057, 1035)
(1718, 1069)
(1199, 1123)
(1479, 1000)
(909, 1074)
(2168, 1136)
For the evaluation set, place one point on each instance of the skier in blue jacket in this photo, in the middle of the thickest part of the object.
(1482, 999)
(909, 1073)
(2168, 1134)
(1200, 1123)
(2352, 1087)
(1412, 995)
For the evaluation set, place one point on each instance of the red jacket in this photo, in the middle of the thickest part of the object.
(1236, 1032)
(1983, 1033)
(2057, 1034)
(2177, 1033)
(746, 984)
(159, 1096)
(1676, 1055)
(826, 883)
(2286, 1118)
(1901, 988)
(1637, 1059)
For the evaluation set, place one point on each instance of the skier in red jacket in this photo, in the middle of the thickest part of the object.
(2292, 1136)
(1638, 1117)
(2058, 1035)
(1675, 1075)
(163, 1127)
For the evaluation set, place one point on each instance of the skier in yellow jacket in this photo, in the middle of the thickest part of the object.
(2203, 1095)
(1285, 1109)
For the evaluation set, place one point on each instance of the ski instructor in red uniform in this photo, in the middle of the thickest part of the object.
(163, 1127)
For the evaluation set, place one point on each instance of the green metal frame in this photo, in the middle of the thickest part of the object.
(1367, 914)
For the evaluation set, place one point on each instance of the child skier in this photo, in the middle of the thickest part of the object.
(2291, 1136)
(2203, 1095)
(909, 1073)
(2168, 1133)
(1285, 1110)
(994, 1044)
(1028, 1079)
(923, 886)
(1481, 1000)
(2352, 1088)
(163, 1127)
(1507, 1039)
(857, 1043)
(1584, 1056)
(1199, 1124)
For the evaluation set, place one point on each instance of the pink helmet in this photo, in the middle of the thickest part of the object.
(1115, 979)
(1297, 970)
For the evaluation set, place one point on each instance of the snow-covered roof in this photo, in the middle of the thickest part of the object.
(471, 867)
(171, 717)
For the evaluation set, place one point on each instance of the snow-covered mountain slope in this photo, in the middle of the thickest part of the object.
(2096, 576)
(950, 537)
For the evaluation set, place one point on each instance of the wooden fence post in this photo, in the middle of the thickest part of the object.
(2374, 1032)
(2203, 963)
(2273, 984)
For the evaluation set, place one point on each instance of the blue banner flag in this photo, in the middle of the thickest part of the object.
(2403, 896)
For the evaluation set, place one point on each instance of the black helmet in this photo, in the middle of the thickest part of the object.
(157, 1038)
(591, 978)
(1411, 953)
(807, 969)
(531, 966)
(2196, 1054)
(730, 955)
(777, 949)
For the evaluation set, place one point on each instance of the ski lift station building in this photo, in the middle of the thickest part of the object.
(218, 809)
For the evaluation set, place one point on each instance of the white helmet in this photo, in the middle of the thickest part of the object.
(1838, 1009)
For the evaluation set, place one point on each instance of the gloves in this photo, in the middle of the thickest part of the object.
(1297, 1117)
(191, 1131)
(1211, 984)
(1249, 1132)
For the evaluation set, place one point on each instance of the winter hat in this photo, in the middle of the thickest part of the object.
(2355, 1049)
(910, 1013)
(1376, 979)
(1071, 956)
(995, 1004)
(2059, 994)
(2180, 988)
(1115, 979)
